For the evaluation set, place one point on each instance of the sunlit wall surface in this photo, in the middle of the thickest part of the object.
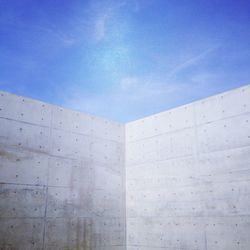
(187, 176)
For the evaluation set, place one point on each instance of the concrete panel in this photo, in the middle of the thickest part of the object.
(68, 233)
(24, 109)
(229, 104)
(224, 134)
(162, 123)
(107, 130)
(109, 232)
(106, 151)
(177, 144)
(72, 121)
(15, 166)
(70, 145)
(209, 200)
(166, 233)
(25, 136)
(106, 178)
(21, 233)
(68, 202)
(85, 233)
(228, 233)
(70, 173)
(134, 153)
(108, 204)
(22, 201)
(222, 166)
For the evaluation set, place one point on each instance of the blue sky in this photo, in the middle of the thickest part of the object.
(123, 59)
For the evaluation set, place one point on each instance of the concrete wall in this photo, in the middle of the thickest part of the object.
(187, 183)
(62, 178)
(188, 176)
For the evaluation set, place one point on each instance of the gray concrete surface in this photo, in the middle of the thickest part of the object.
(62, 178)
(177, 180)
(188, 176)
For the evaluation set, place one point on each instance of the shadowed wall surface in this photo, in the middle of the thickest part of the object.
(175, 180)
(62, 178)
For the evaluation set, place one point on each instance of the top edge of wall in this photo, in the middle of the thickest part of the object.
(130, 122)
(61, 107)
(188, 104)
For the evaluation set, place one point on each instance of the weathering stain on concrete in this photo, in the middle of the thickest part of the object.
(67, 182)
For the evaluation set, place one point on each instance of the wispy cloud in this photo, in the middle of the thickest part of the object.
(139, 5)
(120, 68)
(45, 30)
(100, 26)
(102, 14)
(192, 61)
(142, 100)
(58, 35)
(132, 97)
(143, 94)
(128, 82)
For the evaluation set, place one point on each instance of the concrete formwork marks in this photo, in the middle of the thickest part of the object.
(62, 178)
(175, 180)
(188, 176)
